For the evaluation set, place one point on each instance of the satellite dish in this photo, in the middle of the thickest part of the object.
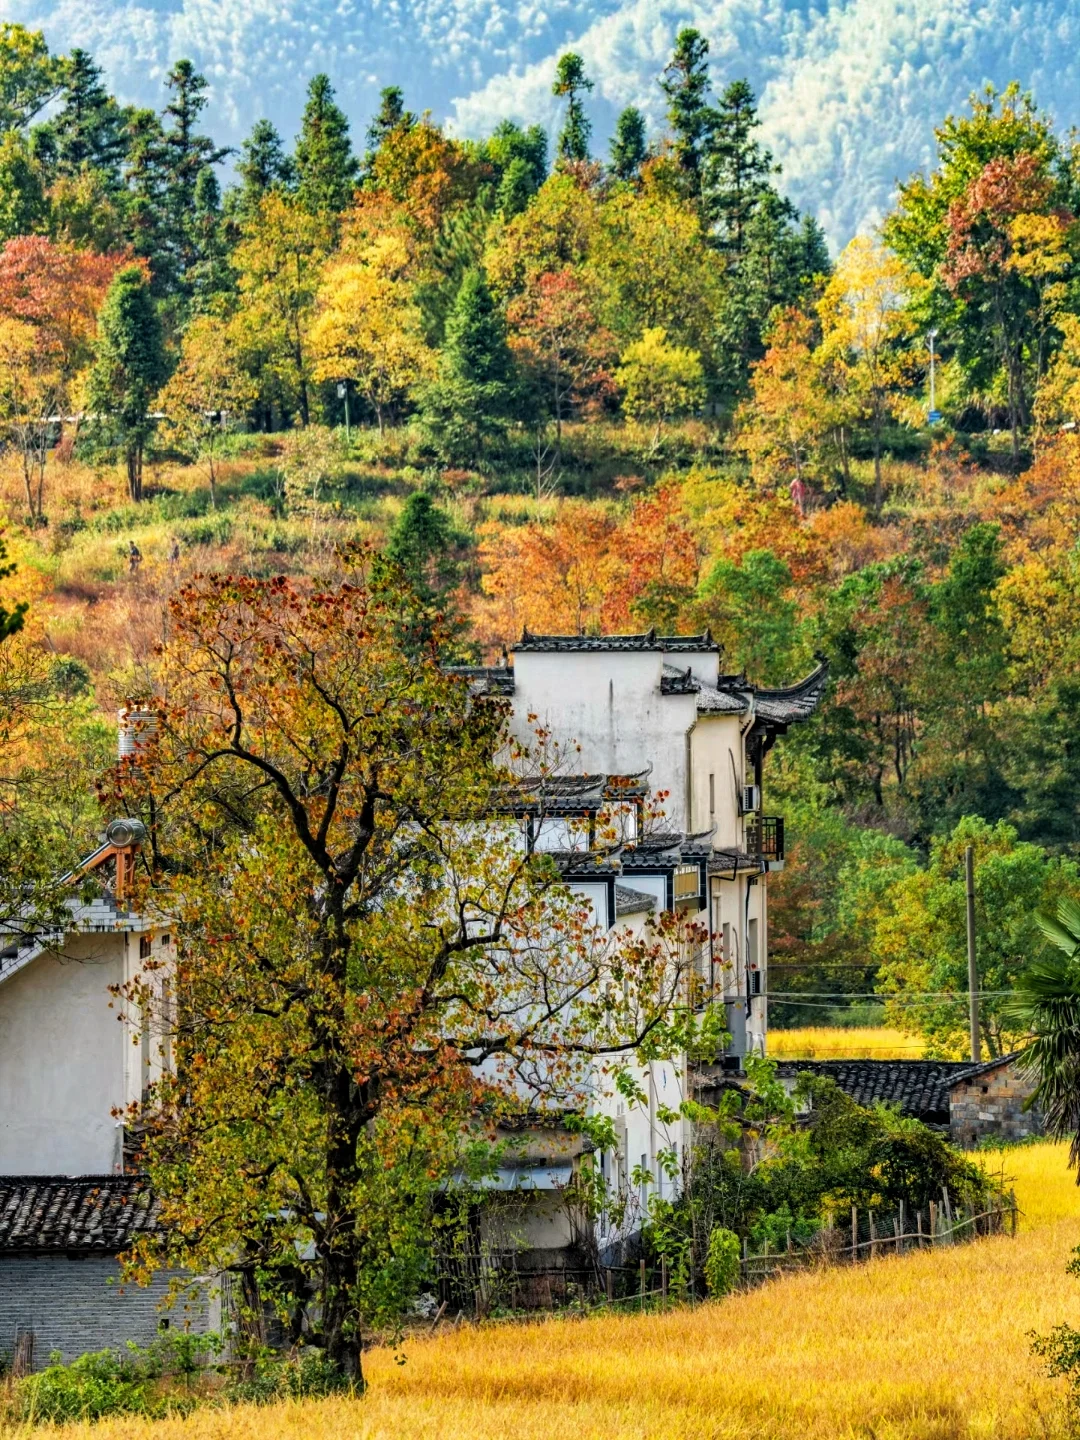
(123, 833)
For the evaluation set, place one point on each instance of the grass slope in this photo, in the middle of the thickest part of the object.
(924, 1347)
(824, 1042)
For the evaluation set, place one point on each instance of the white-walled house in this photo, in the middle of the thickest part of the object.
(636, 717)
(68, 1069)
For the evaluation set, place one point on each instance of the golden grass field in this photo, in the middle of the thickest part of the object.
(930, 1346)
(833, 1043)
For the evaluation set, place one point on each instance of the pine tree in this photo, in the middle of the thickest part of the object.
(430, 551)
(210, 274)
(571, 81)
(185, 153)
(685, 82)
(390, 115)
(628, 144)
(263, 165)
(326, 168)
(88, 130)
(738, 169)
(146, 176)
(128, 371)
(472, 398)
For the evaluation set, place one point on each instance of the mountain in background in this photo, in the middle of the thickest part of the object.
(850, 89)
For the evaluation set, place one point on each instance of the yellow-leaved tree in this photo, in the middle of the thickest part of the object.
(208, 395)
(866, 326)
(368, 329)
(659, 380)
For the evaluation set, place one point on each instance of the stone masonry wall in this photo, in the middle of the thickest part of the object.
(992, 1105)
(70, 1306)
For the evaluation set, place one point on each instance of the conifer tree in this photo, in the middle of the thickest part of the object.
(88, 130)
(685, 82)
(738, 169)
(628, 144)
(472, 398)
(263, 165)
(184, 155)
(128, 371)
(326, 169)
(390, 116)
(571, 81)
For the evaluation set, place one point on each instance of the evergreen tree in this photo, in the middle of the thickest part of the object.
(184, 155)
(390, 115)
(430, 551)
(326, 169)
(472, 398)
(628, 144)
(685, 82)
(128, 371)
(738, 169)
(210, 274)
(571, 81)
(89, 129)
(146, 176)
(263, 165)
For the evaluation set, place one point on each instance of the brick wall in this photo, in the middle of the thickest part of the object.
(992, 1105)
(70, 1306)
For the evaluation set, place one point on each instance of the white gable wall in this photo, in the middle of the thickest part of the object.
(64, 1061)
(609, 703)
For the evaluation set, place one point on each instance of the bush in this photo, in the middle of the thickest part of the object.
(722, 1262)
(305, 1376)
(89, 1388)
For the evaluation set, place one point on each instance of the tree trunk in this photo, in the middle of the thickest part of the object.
(878, 492)
(134, 459)
(213, 481)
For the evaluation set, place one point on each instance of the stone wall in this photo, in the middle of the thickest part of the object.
(79, 1305)
(991, 1105)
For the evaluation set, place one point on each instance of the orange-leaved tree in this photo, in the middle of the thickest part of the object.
(370, 966)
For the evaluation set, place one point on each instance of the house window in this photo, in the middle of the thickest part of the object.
(712, 794)
(145, 946)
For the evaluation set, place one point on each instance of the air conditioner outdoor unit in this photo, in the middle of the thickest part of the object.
(751, 799)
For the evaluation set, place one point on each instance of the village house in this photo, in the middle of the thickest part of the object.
(653, 721)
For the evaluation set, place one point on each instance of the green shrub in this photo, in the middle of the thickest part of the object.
(722, 1262)
(89, 1388)
(307, 1375)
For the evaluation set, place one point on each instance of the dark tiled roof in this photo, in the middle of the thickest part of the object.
(918, 1087)
(632, 902)
(797, 702)
(723, 862)
(575, 794)
(103, 1213)
(486, 679)
(650, 640)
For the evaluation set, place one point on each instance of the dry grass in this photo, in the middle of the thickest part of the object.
(925, 1347)
(833, 1043)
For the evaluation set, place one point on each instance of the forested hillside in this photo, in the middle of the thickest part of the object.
(577, 392)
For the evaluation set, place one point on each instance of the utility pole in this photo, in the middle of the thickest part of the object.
(973, 974)
(343, 394)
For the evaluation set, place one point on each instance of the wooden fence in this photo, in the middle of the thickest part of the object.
(498, 1282)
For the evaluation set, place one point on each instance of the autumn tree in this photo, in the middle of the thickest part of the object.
(368, 330)
(867, 325)
(279, 262)
(49, 300)
(659, 381)
(553, 575)
(655, 564)
(371, 967)
(208, 396)
(563, 352)
(783, 424)
(128, 371)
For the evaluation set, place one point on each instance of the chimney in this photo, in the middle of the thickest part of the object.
(138, 725)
